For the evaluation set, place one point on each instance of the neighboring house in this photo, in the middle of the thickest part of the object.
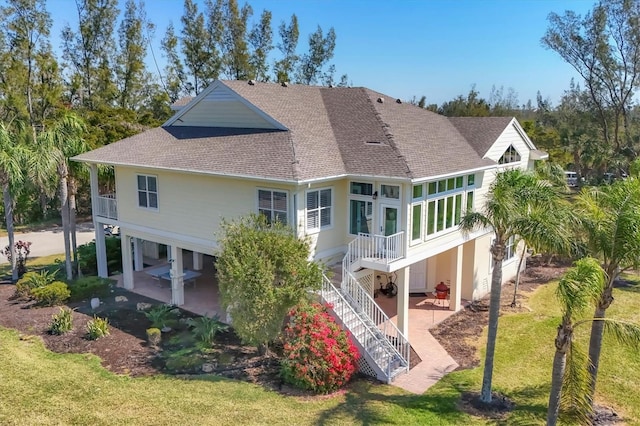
(377, 184)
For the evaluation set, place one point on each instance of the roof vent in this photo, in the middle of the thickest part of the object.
(285, 84)
(252, 82)
(380, 100)
(398, 101)
(330, 85)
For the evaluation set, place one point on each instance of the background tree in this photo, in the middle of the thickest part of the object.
(263, 271)
(320, 52)
(517, 204)
(261, 41)
(288, 45)
(604, 48)
(195, 41)
(237, 65)
(610, 228)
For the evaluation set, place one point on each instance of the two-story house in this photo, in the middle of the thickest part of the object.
(377, 184)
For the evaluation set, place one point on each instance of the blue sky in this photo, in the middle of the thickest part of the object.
(435, 48)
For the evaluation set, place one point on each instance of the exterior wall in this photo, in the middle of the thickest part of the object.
(220, 108)
(510, 136)
(188, 205)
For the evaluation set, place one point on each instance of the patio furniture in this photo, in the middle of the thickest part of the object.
(164, 273)
(441, 294)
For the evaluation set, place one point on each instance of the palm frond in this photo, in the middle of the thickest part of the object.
(575, 385)
(581, 286)
(625, 333)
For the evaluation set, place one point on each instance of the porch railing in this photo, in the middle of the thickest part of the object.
(107, 206)
(381, 248)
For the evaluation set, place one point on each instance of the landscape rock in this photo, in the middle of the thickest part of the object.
(142, 306)
(208, 367)
(121, 299)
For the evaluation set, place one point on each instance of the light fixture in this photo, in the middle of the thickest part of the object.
(375, 195)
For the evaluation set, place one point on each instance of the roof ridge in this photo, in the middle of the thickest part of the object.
(387, 133)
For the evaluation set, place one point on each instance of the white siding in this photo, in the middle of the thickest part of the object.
(510, 136)
(220, 108)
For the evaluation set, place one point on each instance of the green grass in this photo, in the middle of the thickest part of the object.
(34, 263)
(41, 387)
(32, 227)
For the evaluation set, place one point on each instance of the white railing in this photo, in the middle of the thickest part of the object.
(372, 310)
(107, 206)
(379, 248)
(387, 359)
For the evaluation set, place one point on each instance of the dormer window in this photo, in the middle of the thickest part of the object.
(511, 155)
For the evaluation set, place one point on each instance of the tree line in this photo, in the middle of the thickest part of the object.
(96, 88)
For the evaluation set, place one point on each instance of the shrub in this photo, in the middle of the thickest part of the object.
(159, 315)
(51, 294)
(32, 280)
(87, 287)
(22, 250)
(318, 354)
(87, 256)
(205, 328)
(154, 336)
(97, 328)
(62, 322)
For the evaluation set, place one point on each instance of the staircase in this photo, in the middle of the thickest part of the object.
(384, 349)
(380, 357)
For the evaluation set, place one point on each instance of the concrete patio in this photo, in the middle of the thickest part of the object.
(424, 313)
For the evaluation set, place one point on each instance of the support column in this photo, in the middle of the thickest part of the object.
(169, 254)
(138, 263)
(151, 249)
(127, 261)
(197, 261)
(403, 300)
(456, 278)
(98, 227)
(431, 273)
(177, 274)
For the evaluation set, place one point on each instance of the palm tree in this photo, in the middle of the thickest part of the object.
(12, 155)
(55, 146)
(579, 289)
(610, 227)
(518, 204)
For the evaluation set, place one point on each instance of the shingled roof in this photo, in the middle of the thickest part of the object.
(481, 132)
(329, 132)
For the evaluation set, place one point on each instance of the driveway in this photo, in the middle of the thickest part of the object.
(48, 242)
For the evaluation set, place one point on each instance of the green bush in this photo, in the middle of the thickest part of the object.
(154, 336)
(97, 328)
(205, 328)
(88, 287)
(32, 280)
(159, 315)
(51, 294)
(87, 256)
(62, 322)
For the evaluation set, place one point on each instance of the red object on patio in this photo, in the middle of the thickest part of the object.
(442, 292)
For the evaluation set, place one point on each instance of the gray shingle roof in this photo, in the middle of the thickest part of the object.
(481, 132)
(331, 132)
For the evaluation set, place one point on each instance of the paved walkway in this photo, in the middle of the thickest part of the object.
(48, 242)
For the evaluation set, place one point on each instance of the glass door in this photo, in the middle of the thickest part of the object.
(389, 215)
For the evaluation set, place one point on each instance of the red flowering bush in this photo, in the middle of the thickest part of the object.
(318, 354)
(22, 250)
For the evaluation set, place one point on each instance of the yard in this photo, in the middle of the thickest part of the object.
(43, 387)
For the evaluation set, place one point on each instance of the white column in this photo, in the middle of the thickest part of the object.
(151, 249)
(177, 274)
(138, 263)
(431, 273)
(101, 248)
(169, 253)
(403, 300)
(456, 278)
(127, 260)
(197, 261)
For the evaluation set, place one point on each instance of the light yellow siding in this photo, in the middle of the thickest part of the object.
(188, 204)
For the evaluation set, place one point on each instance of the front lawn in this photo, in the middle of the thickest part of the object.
(41, 387)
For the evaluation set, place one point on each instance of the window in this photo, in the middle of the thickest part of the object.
(319, 209)
(510, 248)
(148, 192)
(390, 191)
(273, 205)
(360, 188)
(360, 216)
(416, 222)
(511, 155)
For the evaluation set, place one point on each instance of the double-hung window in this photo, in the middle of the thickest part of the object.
(319, 203)
(273, 205)
(148, 192)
